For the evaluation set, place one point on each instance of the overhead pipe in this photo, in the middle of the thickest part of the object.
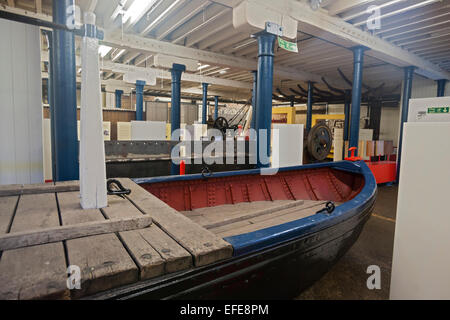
(441, 87)
(176, 71)
(140, 100)
(205, 102)
(264, 85)
(407, 88)
(358, 62)
(64, 84)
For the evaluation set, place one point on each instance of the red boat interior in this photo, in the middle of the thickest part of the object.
(325, 184)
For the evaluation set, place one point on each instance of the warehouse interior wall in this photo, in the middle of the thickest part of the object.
(21, 158)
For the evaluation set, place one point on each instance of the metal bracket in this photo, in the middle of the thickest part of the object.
(274, 28)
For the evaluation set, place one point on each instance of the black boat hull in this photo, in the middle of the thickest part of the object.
(279, 272)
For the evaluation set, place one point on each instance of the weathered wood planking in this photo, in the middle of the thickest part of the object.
(204, 246)
(49, 235)
(37, 272)
(18, 189)
(103, 260)
(7, 206)
(154, 251)
(309, 208)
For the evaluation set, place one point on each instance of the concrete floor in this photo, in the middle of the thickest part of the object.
(347, 279)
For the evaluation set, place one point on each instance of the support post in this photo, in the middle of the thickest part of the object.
(348, 96)
(216, 107)
(441, 87)
(255, 81)
(64, 89)
(407, 86)
(119, 98)
(140, 100)
(358, 61)
(205, 102)
(266, 43)
(176, 71)
(309, 107)
(92, 146)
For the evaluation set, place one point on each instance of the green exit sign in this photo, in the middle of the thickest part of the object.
(286, 45)
(438, 110)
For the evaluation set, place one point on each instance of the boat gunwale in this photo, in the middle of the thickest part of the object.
(261, 239)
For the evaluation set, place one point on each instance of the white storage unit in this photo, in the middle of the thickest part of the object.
(123, 131)
(148, 130)
(421, 261)
(106, 130)
(287, 145)
(21, 156)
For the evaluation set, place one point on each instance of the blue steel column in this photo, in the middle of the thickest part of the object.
(140, 100)
(309, 107)
(216, 107)
(358, 61)
(255, 81)
(346, 118)
(64, 88)
(264, 90)
(205, 102)
(407, 86)
(177, 70)
(441, 87)
(119, 98)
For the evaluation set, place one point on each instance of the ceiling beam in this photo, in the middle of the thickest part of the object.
(163, 74)
(339, 6)
(153, 46)
(320, 24)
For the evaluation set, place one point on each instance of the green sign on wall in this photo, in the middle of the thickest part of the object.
(288, 46)
(439, 110)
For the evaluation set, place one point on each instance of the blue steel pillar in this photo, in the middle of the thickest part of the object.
(358, 61)
(64, 91)
(177, 70)
(205, 102)
(140, 100)
(119, 98)
(309, 107)
(346, 118)
(216, 107)
(407, 86)
(441, 87)
(255, 81)
(264, 90)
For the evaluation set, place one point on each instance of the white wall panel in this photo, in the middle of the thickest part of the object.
(421, 259)
(21, 158)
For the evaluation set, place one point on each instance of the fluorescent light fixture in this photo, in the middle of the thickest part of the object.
(137, 9)
(223, 71)
(118, 55)
(201, 67)
(79, 70)
(103, 50)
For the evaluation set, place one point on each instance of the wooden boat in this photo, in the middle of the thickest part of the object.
(283, 228)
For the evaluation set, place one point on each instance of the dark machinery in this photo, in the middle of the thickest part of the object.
(223, 124)
(319, 142)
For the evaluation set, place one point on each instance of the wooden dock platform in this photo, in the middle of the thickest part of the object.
(48, 231)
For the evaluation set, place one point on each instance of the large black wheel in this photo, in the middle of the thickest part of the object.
(319, 141)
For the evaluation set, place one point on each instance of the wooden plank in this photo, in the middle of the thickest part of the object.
(154, 251)
(102, 259)
(255, 214)
(7, 206)
(37, 272)
(49, 235)
(18, 189)
(281, 217)
(202, 244)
